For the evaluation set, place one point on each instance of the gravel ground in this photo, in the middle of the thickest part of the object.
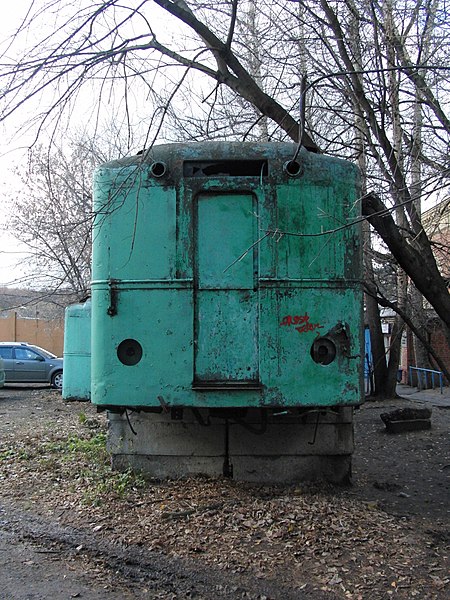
(72, 528)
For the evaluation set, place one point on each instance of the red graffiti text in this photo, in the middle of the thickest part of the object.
(302, 322)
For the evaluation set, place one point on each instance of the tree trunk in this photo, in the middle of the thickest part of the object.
(418, 312)
(378, 366)
(232, 72)
(377, 346)
(390, 390)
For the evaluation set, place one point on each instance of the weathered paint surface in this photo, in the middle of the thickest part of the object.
(219, 312)
(225, 297)
(77, 352)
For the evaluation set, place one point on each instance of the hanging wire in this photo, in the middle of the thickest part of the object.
(129, 423)
(301, 128)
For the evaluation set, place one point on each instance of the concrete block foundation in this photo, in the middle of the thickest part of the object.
(262, 447)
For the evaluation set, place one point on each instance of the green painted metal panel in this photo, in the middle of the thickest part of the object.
(160, 318)
(226, 280)
(291, 319)
(225, 224)
(226, 338)
(136, 234)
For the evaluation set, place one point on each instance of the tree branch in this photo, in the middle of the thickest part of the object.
(419, 265)
(241, 82)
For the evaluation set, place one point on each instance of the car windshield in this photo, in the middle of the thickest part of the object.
(45, 353)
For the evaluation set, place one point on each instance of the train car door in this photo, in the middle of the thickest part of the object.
(226, 296)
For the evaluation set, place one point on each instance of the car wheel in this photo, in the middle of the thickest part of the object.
(57, 380)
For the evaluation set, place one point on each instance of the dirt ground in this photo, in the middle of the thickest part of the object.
(408, 474)
(72, 528)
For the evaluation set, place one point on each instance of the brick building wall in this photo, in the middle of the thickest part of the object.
(440, 344)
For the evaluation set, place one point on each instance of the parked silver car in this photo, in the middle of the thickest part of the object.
(25, 363)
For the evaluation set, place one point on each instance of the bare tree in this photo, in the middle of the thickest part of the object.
(52, 217)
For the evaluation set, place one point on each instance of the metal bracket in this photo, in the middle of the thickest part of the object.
(113, 297)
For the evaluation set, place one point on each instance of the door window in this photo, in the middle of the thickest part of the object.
(26, 354)
(5, 352)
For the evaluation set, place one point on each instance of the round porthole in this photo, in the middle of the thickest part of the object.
(158, 169)
(293, 168)
(323, 351)
(129, 352)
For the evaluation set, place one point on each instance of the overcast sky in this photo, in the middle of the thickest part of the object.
(15, 139)
(12, 152)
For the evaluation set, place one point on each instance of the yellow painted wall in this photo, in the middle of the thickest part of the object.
(46, 334)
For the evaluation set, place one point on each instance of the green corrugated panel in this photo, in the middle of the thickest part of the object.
(77, 352)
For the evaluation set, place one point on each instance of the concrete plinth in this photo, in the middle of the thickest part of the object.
(284, 448)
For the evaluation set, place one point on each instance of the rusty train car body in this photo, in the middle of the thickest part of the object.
(226, 276)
